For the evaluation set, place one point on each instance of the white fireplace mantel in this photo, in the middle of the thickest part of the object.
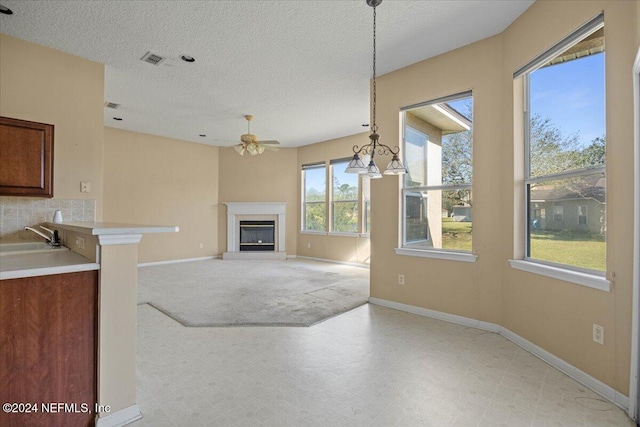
(237, 211)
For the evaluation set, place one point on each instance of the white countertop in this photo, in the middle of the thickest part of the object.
(110, 228)
(57, 261)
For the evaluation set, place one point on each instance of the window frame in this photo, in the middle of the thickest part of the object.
(432, 252)
(304, 203)
(524, 72)
(332, 201)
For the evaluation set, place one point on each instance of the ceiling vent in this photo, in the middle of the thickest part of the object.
(111, 105)
(152, 58)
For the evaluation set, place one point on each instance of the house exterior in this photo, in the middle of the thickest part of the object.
(578, 206)
(463, 213)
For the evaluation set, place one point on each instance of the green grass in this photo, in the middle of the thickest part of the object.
(572, 248)
(576, 249)
(456, 235)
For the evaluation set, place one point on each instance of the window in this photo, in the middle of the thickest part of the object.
(349, 199)
(558, 212)
(366, 201)
(344, 198)
(437, 201)
(565, 146)
(582, 215)
(314, 205)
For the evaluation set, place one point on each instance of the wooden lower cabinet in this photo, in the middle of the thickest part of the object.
(48, 328)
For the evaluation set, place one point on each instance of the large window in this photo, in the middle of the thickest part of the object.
(314, 204)
(437, 201)
(349, 199)
(344, 198)
(565, 152)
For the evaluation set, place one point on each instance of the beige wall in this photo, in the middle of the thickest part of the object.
(467, 289)
(154, 180)
(555, 315)
(45, 85)
(268, 177)
(353, 248)
(562, 320)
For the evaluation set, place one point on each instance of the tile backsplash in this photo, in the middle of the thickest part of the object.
(19, 212)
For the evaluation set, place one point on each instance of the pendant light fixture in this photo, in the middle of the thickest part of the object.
(356, 165)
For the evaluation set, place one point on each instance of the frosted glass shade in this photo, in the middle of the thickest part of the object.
(356, 165)
(372, 171)
(395, 167)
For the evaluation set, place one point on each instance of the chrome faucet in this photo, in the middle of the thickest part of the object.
(53, 239)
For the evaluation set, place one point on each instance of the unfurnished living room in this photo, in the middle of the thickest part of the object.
(319, 213)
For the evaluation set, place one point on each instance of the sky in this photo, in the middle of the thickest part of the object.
(316, 178)
(571, 94)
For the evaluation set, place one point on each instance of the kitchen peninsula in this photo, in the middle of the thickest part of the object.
(100, 268)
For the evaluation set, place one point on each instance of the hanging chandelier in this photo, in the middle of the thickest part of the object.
(356, 165)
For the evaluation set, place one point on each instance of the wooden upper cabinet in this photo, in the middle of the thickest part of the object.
(26, 158)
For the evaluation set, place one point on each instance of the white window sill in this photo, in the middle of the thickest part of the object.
(427, 253)
(579, 278)
(318, 233)
(346, 234)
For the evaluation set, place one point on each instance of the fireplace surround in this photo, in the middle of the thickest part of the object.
(256, 219)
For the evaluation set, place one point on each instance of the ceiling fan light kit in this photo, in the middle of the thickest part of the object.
(250, 144)
(356, 165)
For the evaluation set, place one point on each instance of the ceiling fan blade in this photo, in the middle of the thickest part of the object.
(271, 148)
(270, 142)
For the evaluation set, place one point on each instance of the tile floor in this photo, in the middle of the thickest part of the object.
(372, 366)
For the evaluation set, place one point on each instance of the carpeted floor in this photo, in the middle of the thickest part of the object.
(253, 293)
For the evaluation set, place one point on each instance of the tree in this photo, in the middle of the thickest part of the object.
(345, 206)
(550, 152)
(457, 163)
(595, 153)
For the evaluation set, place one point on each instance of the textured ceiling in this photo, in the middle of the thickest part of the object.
(301, 67)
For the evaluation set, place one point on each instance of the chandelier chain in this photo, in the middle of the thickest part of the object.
(374, 127)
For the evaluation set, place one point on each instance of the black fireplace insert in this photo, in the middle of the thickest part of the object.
(257, 236)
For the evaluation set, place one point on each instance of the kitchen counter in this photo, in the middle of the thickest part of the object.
(112, 228)
(55, 261)
(111, 250)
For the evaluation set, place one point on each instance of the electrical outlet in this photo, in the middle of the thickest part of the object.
(201, 245)
(400, 279)
(80, 242)
(598, 334)
(85, 187)
(308, 245)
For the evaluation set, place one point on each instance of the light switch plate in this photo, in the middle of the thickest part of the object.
(85, 187)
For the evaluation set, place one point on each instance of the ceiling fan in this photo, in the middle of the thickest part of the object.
(249, 142)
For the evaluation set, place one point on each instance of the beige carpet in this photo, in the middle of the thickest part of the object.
(253, 293)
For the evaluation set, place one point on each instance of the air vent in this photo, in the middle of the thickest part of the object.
(152, 58)
(111, 105)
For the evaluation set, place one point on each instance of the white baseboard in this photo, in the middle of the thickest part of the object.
(353, 264)
(452, 318)
(177, 261)
(582, 377)
(120, 418)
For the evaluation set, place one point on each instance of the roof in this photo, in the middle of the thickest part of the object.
(443, 117)
(590, 187)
